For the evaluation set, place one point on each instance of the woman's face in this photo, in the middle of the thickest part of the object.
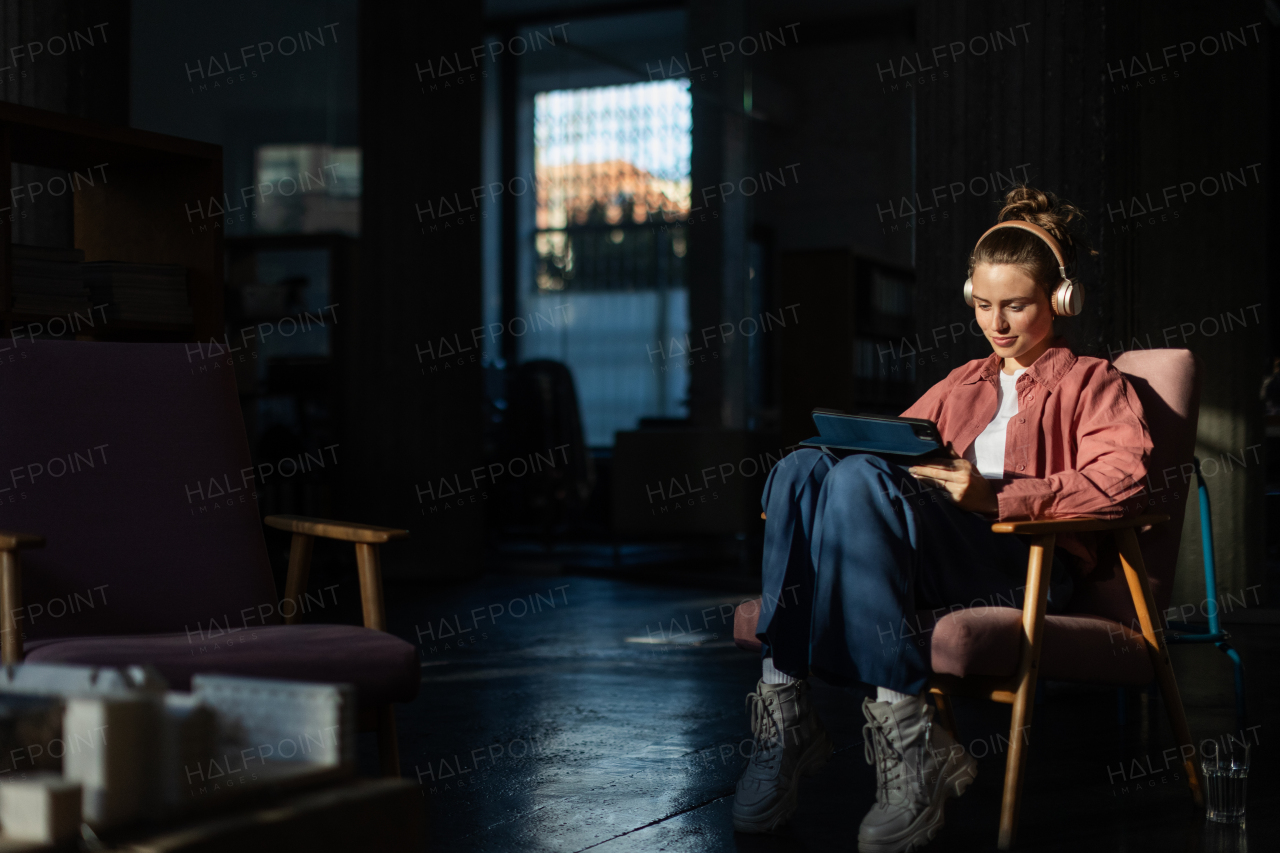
(1013, 311)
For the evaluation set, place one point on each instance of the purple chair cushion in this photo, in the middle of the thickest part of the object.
(131, 460)
(383, 668)
(985, 641)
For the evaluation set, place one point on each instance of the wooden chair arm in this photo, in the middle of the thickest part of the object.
(366, 538)
(326, 529)
(10, 541)
(11, 592)
(1076, 525)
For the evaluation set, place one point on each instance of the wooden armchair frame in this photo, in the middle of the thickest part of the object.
(1019, 689)
(366, 539)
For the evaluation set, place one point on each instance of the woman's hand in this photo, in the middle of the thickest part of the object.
(960, 478)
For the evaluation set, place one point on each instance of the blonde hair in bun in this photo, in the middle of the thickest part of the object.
(1026, 251)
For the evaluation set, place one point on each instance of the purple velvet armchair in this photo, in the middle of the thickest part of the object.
(1113, 630)
(126, 478)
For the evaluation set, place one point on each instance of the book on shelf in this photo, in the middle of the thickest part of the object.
(48, 281)
(139, 292)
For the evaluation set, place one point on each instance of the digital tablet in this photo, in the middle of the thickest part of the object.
(879, 434)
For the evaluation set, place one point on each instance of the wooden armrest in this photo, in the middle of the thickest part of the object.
(1073, 525)
(366, 538)
(326, 529)
(10, 541)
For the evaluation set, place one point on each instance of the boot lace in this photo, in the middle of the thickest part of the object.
(764, 731)
(896, 779)
(764, 726)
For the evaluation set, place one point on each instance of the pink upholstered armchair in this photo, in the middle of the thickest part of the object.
(999, 652)
(128, 463)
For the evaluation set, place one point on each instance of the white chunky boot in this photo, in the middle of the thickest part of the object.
(789, 743)
(918, 765)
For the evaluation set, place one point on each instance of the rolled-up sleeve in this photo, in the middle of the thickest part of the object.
(1113, 448)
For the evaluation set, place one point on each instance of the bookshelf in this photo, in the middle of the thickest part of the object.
(851, 349)
(139, 197)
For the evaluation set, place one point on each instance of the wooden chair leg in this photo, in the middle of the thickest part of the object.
(388, 743)
(369, 564)
(1037, 592)
(11, 600)
(295, 582)
(1015, 764)
(1136, 573)
(947, 715)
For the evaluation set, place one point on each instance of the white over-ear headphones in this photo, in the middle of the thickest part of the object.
(1067, 298)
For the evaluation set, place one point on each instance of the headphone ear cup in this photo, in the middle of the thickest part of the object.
(968, 291)
(1068, 299)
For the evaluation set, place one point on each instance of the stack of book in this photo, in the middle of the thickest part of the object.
(48, 281)
(153, 293)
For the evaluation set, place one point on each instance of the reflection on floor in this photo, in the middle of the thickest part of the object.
(570, 713)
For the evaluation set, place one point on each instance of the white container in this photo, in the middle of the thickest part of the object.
(43, 808)
(113, 751)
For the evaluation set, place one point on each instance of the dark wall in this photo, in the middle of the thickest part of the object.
(1210, 121)
(830, 106)
(1032, 111)
(39, 68)
(813, 110)
(406, 428)
(40, 71)
(309, 96)
(718, 232)
(1111, 141)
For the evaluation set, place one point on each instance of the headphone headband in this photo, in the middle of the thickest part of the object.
(1034, 229)
(1067, 298)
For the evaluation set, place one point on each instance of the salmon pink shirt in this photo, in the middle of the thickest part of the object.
(1078, 445)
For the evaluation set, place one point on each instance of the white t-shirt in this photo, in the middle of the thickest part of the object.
(987, 452)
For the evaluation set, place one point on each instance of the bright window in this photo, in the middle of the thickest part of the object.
(611, 169)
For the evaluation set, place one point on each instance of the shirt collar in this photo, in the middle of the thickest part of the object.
(1045, 371)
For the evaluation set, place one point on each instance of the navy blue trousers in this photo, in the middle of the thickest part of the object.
(857, 556)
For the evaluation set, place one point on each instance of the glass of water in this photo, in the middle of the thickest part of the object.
(1225, 773)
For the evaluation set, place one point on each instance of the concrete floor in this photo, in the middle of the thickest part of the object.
(547, 726)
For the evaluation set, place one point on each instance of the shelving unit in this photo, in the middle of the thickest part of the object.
(856, 320)
(140, 208)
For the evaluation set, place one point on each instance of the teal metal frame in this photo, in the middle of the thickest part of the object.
(1180, 633)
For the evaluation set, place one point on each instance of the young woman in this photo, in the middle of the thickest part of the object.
(859, 550)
